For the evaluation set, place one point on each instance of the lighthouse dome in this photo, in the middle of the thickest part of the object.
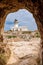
(16, 21)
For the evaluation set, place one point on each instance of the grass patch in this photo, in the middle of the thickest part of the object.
(37, 35)
(11, 36)
(26, 32)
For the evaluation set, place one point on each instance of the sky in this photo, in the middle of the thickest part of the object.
(24, 17)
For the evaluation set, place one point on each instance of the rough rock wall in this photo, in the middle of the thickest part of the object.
(34, 6)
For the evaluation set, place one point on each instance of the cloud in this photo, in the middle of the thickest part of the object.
(20, 14)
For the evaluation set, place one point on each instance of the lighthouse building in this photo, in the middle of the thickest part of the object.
(18, 28)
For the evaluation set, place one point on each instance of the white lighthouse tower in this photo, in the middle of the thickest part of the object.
(15, 25)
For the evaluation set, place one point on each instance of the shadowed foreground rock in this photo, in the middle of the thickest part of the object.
(4, 54)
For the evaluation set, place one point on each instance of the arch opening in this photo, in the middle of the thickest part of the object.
(24, 18)
(21, 15)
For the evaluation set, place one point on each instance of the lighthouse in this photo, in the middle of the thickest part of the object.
(17, 28)
(15, 25)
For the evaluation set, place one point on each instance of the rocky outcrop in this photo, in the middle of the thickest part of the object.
(34, 6)
(25, 53)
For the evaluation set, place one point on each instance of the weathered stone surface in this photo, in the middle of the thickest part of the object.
(34, 6)
(24, 52)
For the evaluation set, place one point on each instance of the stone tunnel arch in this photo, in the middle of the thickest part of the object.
(35, 7)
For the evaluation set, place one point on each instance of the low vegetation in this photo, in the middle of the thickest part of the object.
(37, 34)
(26, 32)
(11, 36)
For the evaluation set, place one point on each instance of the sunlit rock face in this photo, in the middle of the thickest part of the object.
(25, 53)
(34, 6)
